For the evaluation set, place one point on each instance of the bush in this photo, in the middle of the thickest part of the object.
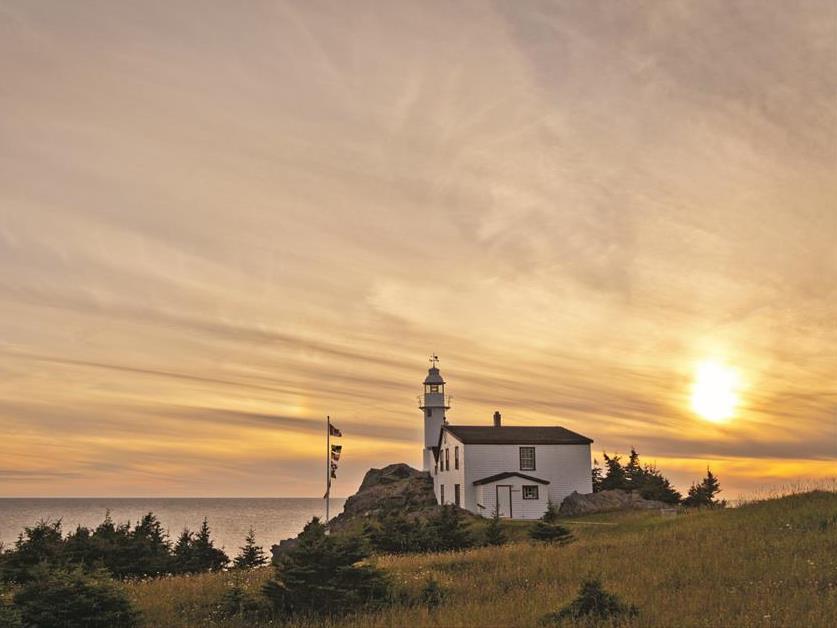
(73, 598)
(551, 514)
(325, 575)
(592, 602)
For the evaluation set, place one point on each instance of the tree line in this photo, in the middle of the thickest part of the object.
(121, 550)
(650, 483)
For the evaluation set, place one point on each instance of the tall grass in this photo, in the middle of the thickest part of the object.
(767, 563)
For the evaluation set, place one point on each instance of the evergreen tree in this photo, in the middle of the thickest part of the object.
(634, 473)
(41, 543)
(447, 532)
(204, 556)
(494, 534)
(396, 534)
(592, 603)
(324, 574)
(182, 553)
(251, 555)
(597, 476)
(550, 533)
(150, 550)
(655, 486)
(703, 494)
(551, 514)
(616, 477)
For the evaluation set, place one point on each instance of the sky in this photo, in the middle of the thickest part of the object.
(221, 222)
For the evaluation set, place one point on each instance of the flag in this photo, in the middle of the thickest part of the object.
(335, 452)
(334, 431)
(334, 470)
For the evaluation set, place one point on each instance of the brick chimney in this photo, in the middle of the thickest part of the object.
(496, 419)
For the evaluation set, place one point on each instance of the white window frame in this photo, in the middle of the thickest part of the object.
(533, 488)
(534, 459)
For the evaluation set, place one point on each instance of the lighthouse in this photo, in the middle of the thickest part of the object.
(433, 406)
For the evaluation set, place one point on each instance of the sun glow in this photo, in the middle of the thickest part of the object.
(715, 391)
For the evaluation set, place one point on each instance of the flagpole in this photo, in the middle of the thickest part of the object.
(328, 464)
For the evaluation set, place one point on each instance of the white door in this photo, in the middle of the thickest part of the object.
(504, 503)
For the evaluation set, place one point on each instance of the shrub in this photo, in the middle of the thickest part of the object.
(551, 514)
(550, 533)
(592, 602)
(432, 595)
(237, 602)
(325, 575)
(447, 532)
(494, 534)
(251, 555)
(396, 534)
(73, 598)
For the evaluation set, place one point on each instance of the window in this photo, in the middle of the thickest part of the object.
(456, 457)
(442, 494)
(447, 459)
(434, 388)
(456, 494)
(530, 492)
(527, 458)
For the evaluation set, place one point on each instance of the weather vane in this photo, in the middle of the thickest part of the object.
(434, 359)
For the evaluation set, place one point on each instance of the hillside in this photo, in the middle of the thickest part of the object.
(771, 563)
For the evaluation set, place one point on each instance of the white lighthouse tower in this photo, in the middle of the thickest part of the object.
(433, 405)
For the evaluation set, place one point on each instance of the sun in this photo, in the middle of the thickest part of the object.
(715, 391)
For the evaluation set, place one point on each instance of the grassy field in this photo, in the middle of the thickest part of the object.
(771, 563)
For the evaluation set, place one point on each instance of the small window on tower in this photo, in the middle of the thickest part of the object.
(434, 388)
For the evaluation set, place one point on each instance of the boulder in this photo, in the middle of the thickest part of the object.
(396, 487)
(605, 501)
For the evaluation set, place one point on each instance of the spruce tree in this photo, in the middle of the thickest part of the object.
(447, 532)
(547, 529)
(596, 476)
(634, 473)
(494, 534)
(182, 554)
(616, 477)
(703, 494)
(550, 533)
(656, 487)
(204, 555)
(251, 555)
(593, 603)
(324, 574)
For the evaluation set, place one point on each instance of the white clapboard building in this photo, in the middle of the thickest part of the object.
(513, 469)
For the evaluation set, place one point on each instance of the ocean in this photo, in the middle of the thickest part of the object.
(229, 519)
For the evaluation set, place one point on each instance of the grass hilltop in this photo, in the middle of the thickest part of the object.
(770, 563)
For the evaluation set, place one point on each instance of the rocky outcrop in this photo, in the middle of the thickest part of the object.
(605, 501)
(395, 488)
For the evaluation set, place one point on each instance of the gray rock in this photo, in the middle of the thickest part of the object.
(396, 487)
(605, 501)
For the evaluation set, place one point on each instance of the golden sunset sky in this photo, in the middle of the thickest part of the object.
(221, 221)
